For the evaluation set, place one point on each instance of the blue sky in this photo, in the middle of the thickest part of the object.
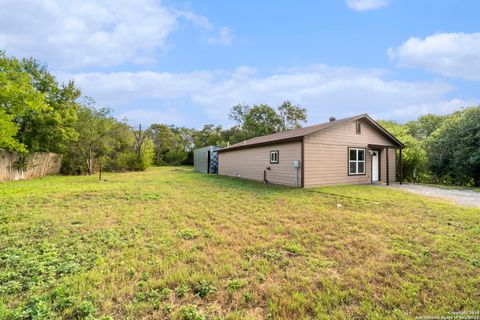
(187, 62)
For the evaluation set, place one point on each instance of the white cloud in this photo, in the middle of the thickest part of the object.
(449, 54)
(364, 5)
(224, 37)
(201, 96)
(142, 116)
(440, 108)
(79, 33)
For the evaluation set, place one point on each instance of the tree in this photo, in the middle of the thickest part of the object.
(238, 113)
(8, 130)
(162, 138)
(40, 112)
(233, 134)
(425, 125)
(259, 120)
(19, 101)
(50, 130)
(454, 148)
(182, 146)
(143, 149)
(414, 156)
(291, 116)
(95, 129)
(209, 136)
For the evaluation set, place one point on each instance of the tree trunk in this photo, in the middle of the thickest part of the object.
(476, 181)
(90, 163)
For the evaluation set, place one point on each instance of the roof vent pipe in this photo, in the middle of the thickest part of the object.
(332, 119)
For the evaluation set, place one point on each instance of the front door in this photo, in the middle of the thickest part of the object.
(375, 166)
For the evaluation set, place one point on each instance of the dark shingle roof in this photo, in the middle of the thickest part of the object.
(297, 134)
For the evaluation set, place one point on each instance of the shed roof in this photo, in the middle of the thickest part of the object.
(298, 134)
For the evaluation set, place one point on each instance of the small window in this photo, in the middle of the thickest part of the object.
(356, 161)
(274, 156)
(358, 127)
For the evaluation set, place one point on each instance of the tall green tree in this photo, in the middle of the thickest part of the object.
(210, 135)
(414, 156)
(262, 120)
(19, 102)
(291, 116)
(259, 120)
(424, 126)
(52, 129)
(454, 148)
(8, 130)
(42, 111)
(143, 149)
(162, 139)
(96, 129)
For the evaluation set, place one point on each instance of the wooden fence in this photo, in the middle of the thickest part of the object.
(37, 164)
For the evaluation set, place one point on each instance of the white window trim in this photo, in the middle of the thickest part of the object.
(356, 162)
(277, 158)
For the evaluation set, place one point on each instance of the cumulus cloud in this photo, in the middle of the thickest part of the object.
(324, 90)
(83, 33)
(365, 5)
(440, 108)
(449, 54)
(224, 37)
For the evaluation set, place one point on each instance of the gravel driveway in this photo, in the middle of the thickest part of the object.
(465, 198)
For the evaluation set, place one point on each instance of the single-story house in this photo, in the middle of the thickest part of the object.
(355, 150)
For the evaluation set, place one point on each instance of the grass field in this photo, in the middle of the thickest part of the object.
(170, 243)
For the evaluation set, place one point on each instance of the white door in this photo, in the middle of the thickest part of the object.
(375, 166)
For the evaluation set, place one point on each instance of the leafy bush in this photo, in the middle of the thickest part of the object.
(203, 288)
(191, 312)
(35, 308)
(188, 234)
(294, 249)
(236, 284)
(86, 310)
(181, 291)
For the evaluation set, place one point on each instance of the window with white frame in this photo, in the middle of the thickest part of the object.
(356, 161)
(274, 156)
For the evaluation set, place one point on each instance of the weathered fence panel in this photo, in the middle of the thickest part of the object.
(37, 164)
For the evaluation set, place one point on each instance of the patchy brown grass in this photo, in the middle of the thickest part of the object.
(170, 243)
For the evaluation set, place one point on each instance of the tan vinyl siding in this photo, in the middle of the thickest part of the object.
(326, 154)
(250, 163)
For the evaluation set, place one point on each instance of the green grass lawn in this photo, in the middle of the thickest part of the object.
(170, 243)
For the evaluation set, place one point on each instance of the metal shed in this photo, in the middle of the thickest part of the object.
(205, 159)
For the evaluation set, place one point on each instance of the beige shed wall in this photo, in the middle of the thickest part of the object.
(250, 163)
(326, 155)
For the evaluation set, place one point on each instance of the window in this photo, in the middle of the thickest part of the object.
(358, 127)
(274, 156)
(356, 161)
